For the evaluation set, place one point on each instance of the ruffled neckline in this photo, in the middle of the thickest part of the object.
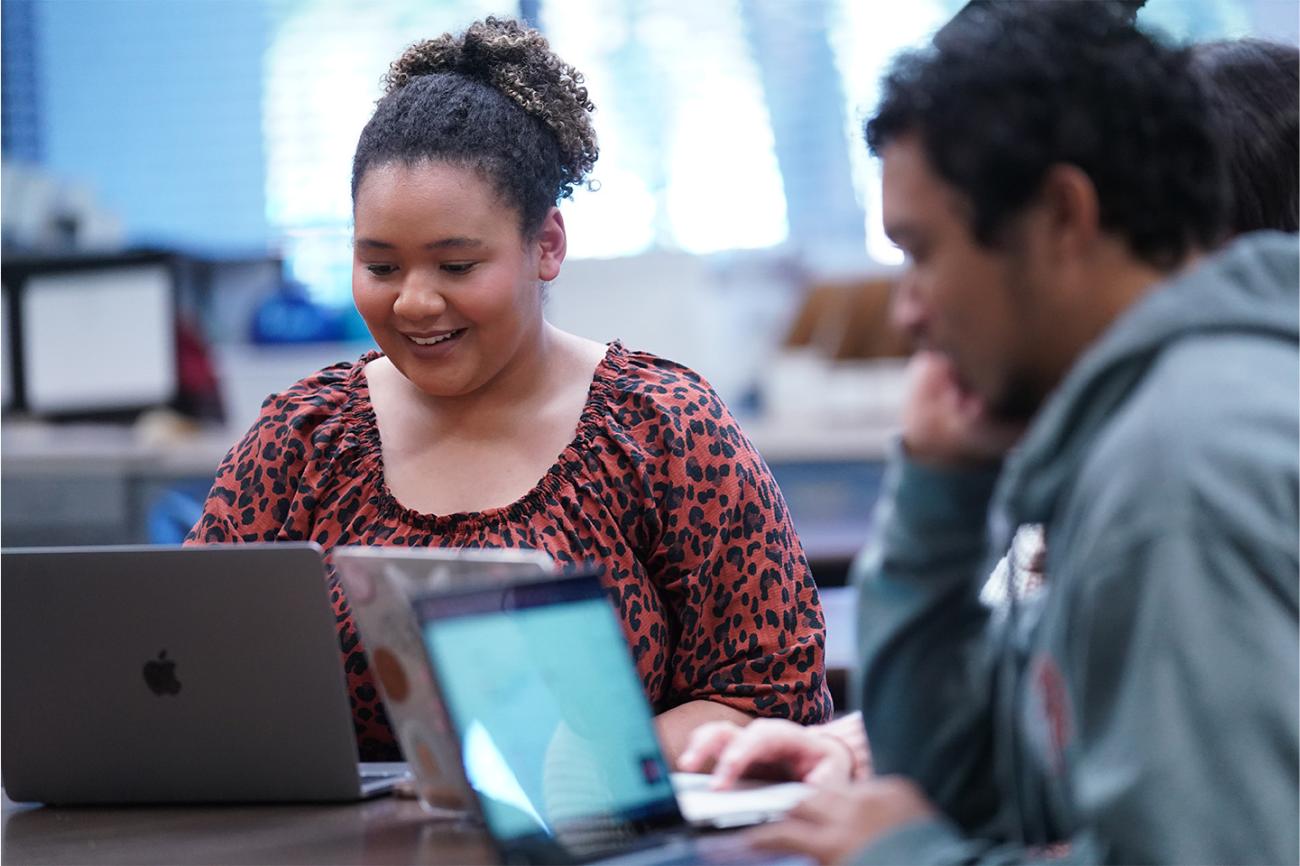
(363, 429)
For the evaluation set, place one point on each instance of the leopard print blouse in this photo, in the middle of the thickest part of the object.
(659, 487)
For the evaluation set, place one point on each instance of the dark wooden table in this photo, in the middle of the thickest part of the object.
(380, 831)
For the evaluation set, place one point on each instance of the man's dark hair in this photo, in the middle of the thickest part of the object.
(1012, 89)
(495, 99)
(1254, 91)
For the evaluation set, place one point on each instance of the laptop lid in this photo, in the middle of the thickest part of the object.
(380, 582)
(152, 674)
(556, 736)
(416, 570)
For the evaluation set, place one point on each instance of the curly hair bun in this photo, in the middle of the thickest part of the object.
(517, 61)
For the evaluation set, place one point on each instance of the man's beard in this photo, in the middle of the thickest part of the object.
(1022, 394)
(1019, 401)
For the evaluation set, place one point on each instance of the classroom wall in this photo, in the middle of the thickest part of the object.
(136, 137)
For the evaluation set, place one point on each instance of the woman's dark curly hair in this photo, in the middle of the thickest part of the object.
(496, 99)
(1011, 89)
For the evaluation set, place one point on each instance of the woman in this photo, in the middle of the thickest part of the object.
(440, 437)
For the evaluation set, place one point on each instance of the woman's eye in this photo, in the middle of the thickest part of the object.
(381, 270)
(458, 267)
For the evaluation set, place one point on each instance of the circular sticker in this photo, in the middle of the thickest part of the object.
(360, 586)
(392, 676)
(437, 793)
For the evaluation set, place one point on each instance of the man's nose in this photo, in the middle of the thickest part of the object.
(907, 312)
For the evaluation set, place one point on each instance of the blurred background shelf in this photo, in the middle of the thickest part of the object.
(96, 483)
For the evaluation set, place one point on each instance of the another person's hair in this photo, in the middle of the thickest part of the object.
(495, 99)
(1012, 89)
(1254, 91)
(1128, 9)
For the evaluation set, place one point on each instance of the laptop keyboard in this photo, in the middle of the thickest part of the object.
(719, 850)
(381, 775)
(378, 771)
(381, 778)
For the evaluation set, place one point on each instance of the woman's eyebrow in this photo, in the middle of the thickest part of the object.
(442, 243)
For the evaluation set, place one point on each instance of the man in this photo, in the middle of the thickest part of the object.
(1050, 173)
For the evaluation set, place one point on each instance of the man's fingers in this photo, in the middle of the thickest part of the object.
(834, 824)
(820, 808)
(794, 837)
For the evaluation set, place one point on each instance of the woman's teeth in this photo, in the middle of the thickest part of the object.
(429, 341)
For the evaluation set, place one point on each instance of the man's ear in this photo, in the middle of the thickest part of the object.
(1071, 210)
(552, 242)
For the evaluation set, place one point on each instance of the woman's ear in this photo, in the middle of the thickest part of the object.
(552, 243)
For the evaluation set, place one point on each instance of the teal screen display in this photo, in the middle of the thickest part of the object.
(556, 734)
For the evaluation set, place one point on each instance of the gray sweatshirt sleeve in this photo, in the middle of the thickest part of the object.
(1183, 673)
(925, 685)
(1181, 668)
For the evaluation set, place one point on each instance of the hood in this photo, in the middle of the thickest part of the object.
(1251, 286)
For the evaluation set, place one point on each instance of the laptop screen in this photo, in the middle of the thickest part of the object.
(556, 735)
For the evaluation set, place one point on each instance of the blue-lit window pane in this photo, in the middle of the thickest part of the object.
(687, 157)
(322, 77)
(864, 41)
(1200, 20)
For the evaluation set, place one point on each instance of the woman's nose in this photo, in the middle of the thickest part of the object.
(419, 301)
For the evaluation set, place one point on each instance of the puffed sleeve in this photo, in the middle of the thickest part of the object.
(731, 566)
(262, 490)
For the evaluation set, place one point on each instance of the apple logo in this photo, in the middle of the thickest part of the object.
(160, 675)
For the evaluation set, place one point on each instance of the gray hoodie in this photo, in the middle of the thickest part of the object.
(1143, 705)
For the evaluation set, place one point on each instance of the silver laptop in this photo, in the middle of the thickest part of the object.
(380, 583)
(165, 674)
(556, 737)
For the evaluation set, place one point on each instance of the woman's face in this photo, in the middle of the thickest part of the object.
(446, 282)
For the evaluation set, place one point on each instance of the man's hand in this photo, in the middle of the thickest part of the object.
(767, 749)
(946, 425)
(833, 825)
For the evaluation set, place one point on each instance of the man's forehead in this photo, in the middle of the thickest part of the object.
(912, 191)
(908, 186)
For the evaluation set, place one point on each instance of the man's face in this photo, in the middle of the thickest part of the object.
(976, 305)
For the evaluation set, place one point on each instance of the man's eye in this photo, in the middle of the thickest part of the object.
(381, 270)
(459, 267)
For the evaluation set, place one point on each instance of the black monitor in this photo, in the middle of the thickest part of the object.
(90, 336)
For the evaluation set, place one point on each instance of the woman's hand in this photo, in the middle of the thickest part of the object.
(767, 749)
(675, 727)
